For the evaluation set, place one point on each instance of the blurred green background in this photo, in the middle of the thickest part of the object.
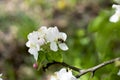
(92, 39)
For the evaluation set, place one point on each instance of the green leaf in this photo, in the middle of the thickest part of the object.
(98, 22)
(54, 56)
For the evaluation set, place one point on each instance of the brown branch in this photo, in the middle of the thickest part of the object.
(83, 71)
(63, 64)
(93, 69)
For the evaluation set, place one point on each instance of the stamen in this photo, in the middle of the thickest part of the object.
(61, 40)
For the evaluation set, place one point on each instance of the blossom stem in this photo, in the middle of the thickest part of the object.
(63, 64)
(93, 69)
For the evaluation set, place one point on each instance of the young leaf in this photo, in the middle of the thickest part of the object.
(54, 56)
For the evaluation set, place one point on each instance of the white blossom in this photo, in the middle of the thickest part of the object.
(56, 38)
(63, 74)
(114, 18)
(118, 73)
(35, 40)
(43, 30)
(43, 36)
(1, 76)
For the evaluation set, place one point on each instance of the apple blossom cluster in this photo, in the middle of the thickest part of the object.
(1, 76)
(44, 36)
(63, 74)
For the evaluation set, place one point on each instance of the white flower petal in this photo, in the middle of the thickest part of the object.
(37, 47)
(56, 29)
(34, 52)
(50, 35)
(116, 15)
(64, 74)
(116, 6)
(62, 36)
(53, 46)
(0, 74)
(118, 73)
(43, 30)
(28, 44)
(53, 78)
(41, 41)
(63, 46)
(114, 18)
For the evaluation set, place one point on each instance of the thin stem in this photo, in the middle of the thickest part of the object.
(63, 64)
(93, 69)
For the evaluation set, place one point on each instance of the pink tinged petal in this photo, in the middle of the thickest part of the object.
(34, 52)
(53, 46)
(63, 46)
(63, 36)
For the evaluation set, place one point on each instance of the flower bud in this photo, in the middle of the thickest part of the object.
(35, 65)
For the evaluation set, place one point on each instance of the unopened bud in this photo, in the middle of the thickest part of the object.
(35, 65)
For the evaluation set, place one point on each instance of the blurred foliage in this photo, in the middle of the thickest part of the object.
(106, 35)
(91, 41)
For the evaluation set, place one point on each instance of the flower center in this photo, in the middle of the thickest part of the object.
(60, 40)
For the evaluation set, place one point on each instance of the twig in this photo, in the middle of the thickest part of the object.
(93, 69)
(82, 71)
(63, 64)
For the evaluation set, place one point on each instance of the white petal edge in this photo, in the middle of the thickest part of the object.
(0, 74)
(28, 44)
(116, 6)
(53, 78)
(63, 74)
(51, 34)
(43, 29)
(118, 73)
(53, 46)
(34, 52)
(63, 35)
(114, 18)
(63, 46)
